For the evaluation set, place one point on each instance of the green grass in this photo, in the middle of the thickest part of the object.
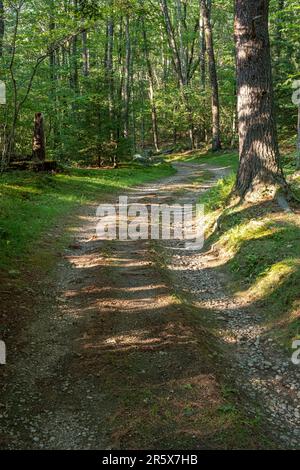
(217, 196)
(32, 203)
(261, 244)
(226, 158)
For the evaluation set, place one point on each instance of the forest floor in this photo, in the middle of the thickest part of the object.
(141, 345)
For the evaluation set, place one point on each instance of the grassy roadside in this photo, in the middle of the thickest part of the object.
(32, 203)
(261, 246)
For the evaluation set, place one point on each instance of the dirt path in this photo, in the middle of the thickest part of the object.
(113, 360)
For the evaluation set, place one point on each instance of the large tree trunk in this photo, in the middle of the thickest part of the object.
(215, 104)
(38, 144)
(259, 154)
(1, 27)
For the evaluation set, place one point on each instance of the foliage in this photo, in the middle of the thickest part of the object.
(72, 83)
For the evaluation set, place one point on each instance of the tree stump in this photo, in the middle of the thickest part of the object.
(38, 143)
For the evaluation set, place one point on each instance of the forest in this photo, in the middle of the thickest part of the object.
(114, 78)
(145, 344)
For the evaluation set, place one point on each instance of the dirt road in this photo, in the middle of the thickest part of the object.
(112, 359)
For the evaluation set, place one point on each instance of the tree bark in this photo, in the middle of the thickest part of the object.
(179, 67)
(74, 76)
(298, 141)
(127, 76)
(215, 104)
(2, 27)
(202, 54)
(258, 146)
(38, 144)
(151, 89)
(110, 75)
(53, 54)
(85, 55)
(278, 31)
(109, 72)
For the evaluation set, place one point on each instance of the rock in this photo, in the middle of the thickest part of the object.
(142, 160)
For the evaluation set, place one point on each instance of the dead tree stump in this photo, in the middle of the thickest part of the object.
(38, 143)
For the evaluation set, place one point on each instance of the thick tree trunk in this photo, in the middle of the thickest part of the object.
(215, 104)
(1, 27)
(38, 144)
(259, 154)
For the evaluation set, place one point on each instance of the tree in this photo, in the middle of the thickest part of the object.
(116, 75)
(215, 104)
(259, 153)
(151, 87)
(182, 57)
(38, 143)
(1, 27)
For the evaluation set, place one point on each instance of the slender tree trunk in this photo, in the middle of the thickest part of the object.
(53, 76)
(2, 26)
(172, 41)
(127, 76)
(215, 105)
(278, 31)
(151, 90)
(110, 85)
(109, 75)
(259, 154)
(181, 32)
(202, 54)
(85, 55)
(38, 144)
(298, 141)
(178, 67)
(74, 76)
(74, 65)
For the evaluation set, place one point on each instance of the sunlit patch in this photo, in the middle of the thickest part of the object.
(23, 189)
(131, 340)
(249, 230)
(271, 279)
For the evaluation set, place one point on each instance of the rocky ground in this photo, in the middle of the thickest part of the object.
(259, 368)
